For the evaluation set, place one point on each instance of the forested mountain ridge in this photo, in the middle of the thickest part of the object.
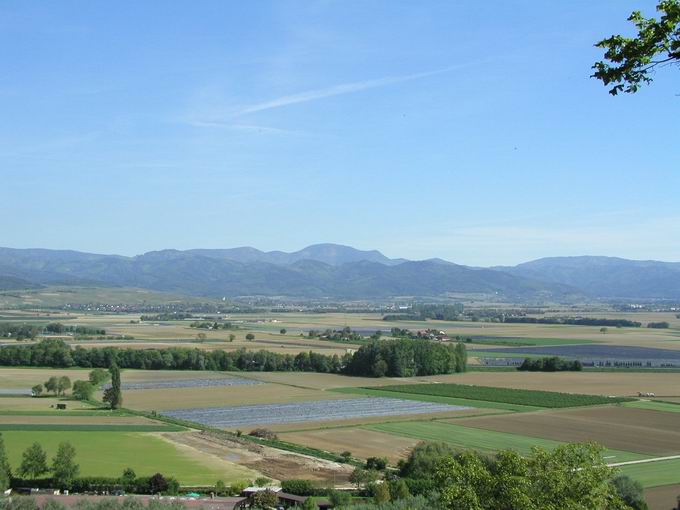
(335, 271)
(343, 272)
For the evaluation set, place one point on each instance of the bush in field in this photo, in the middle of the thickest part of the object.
(263, 434)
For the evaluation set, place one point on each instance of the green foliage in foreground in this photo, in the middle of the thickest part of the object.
(629, 62)
(572, 476)
(508, 395)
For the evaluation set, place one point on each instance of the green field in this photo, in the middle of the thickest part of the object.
(521, 341)
(108, 454)
(536, 398)
(669, 407)
(376, 392)
(479, 439)
(653, 474)
(75, 427)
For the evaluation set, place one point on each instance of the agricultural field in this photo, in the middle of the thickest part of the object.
(534, 398)
(643, 431)
(108, 454)
(498, 413)
(482, 440)
(306, 411)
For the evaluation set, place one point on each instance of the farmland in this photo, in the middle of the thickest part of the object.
(638, 430)
(110, 453)
(504, 395)
(319, 410)
(336, 413)
(483, 440)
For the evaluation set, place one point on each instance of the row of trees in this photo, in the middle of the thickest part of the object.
(31, 331)
(34, 465)
(574, 321)
(398, 358)
(550, 364)
(407, 358)
(82, 390)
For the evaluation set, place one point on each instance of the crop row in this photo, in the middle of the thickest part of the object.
(313, 410)
(506, 395)
(190, 383)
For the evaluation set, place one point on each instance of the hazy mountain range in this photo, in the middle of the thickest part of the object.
(335, 271)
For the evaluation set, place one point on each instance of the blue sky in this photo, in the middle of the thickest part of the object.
(469, 131)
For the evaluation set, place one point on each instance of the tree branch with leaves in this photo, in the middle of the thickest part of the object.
(629, 62)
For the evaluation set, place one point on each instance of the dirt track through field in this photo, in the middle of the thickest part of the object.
(635, 430)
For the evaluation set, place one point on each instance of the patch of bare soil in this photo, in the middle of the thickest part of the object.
(274, 463)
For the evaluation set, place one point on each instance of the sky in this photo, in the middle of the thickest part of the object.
(465, 130)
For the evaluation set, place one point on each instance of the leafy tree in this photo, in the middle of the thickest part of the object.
(64, 468)
(400, 490)
(5, 470)
(363, 477)
(283, 331)
(220, 488)
(376, 463)
(128, 478)
(158, 484)
(250, 337)
(423, 459)
(309, 504)
(83, 390)
(98, 376)
(37, 390)
(63, 384)
(34, 462)
(630, 491)
(113, 395)
(572, 476)
(346, 456)
(52, 385)
(339, 498)
(381, 493)
(232, 337)
(630, 61)
(264, 499)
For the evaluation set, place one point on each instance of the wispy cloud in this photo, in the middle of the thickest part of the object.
(338, 90)
(245, 128)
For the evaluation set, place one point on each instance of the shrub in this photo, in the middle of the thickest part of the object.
(263, 434)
